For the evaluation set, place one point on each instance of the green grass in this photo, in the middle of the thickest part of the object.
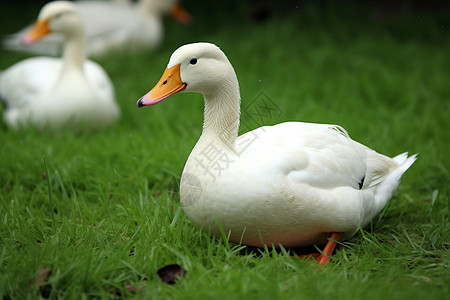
(117, 217)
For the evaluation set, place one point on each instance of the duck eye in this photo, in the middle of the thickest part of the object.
(193, 61)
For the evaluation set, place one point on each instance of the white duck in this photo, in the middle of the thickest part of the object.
(53, 92)
(110, 26)
(292, 184)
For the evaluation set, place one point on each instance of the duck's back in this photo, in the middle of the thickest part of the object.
(320, 155)
(123, 28)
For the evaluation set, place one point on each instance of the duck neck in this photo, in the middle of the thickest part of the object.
(73, 53)
(221, 115)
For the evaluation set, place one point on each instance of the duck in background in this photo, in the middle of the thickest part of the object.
(110, 26)
(292, 184)
(52, 93)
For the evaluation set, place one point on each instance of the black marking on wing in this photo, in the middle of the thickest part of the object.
(361, 183)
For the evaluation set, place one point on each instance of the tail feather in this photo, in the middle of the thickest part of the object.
(389, 184)
(404, 161)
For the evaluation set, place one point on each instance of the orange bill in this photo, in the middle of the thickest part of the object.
(179, 14)
(38, 31)
(169, 84)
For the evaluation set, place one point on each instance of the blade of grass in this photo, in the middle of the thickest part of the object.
(61, 184)
(49, 191)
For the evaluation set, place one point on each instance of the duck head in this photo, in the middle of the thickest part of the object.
(58, 17)
(160, 7)
(198, 67)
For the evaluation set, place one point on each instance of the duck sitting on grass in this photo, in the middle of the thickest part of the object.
(296, 184)
(54, 93)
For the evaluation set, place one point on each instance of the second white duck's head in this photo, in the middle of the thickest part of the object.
(198, 67)
(162, 7)
(55, 17)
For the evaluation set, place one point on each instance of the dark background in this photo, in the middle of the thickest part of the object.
(406, 15)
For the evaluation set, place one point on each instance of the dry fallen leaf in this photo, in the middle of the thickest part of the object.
(41, 278)
(170, 273)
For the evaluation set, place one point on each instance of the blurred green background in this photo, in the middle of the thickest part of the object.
(378, 68)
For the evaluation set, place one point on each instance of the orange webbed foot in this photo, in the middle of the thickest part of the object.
(324, 257)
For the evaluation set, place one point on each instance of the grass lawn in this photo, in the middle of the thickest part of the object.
(115, 218)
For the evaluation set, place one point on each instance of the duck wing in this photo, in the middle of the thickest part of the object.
(321, 155)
